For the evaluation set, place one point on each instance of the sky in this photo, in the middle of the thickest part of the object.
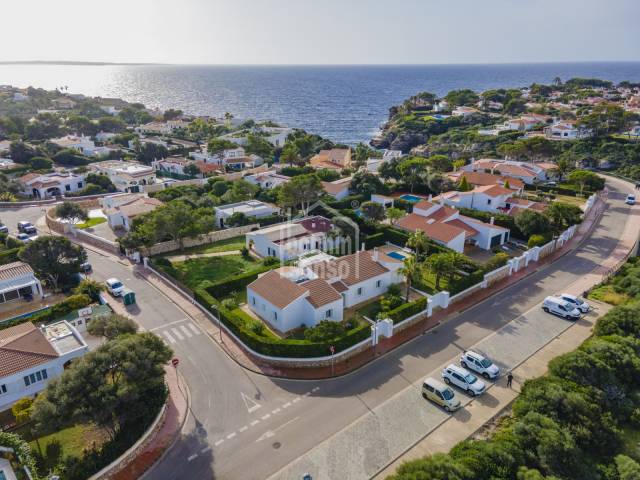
(320, 31)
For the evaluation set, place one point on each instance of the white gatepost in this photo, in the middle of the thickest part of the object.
(145, 262)
(429, 307)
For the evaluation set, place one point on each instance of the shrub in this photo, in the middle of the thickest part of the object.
(324, 331)
(244, 251)
(229, 303)
(407, 310)
(500, 259)
(536, 240)
(270, 261)
(68, 305)
(9, 256)
(375, 240)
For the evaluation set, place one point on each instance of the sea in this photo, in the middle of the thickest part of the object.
(347, 104)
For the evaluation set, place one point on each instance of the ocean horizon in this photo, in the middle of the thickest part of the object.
(345, 103)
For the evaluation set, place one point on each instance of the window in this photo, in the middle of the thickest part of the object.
(3, 389)
(328, 313)
(378, 283)
(360, 291)
(79, 184)
(67, 187)
(35, 377)
(275, 316)
(253, 300)
(489, 201)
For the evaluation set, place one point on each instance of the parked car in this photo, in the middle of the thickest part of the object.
(115, 287)
(579, 302)
(631, 200)
(86, 267)
(551, 184)
(560, 307)
(440, 394)
(24, 238)
(4, 228)
(26, 227)
(479, 364)
(463, 379)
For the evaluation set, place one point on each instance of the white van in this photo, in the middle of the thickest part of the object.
(631, 199)
(560, 307)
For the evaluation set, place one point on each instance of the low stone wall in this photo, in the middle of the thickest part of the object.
(211, 237)
(496, 275)
(120, 463)
(408, 322)
(96, 241)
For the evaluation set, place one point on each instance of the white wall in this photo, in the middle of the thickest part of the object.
(457, 244)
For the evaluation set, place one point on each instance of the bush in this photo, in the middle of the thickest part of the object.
(9, 256)
(375, 240)
(536, 240)
(500, 259)
(68, 305)
(324, 331)
(395, 236)
(229, 303)
(622, 320)
(407, 310)
(270, 261)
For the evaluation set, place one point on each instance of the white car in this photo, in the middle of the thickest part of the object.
(479, 364)
(578, 302)
(463, 379)
(631, 200)
(560, 307)
(115, 287)
(24, 238)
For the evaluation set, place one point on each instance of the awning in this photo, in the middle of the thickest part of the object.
(17, 286)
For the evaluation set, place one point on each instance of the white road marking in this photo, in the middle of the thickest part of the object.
(271, 433)
(286, 405)
(250, 403)
(243, 429)
(264, 417)
(177, 333)
(231, 435)
(219, 442)
(167, 325)
(169, 337)
(196, 330)
(315, 389)
(277, 410)
(205, 449)
(186, 331)
(192, 457)
(296, 400)
(255, 422)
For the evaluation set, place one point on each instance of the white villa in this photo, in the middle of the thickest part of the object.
(235, 158)
(33, 356)
(250, 208)
(446, 226)
(566, 130)
(290, 240)
(122, 209)
(51, 184)
(126, 176)
(321, 288)
(17, 281)
(267, 180)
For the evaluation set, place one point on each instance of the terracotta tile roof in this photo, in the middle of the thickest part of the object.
(339, 286)
(136, 207)
(14, 270)
(351, 269)
(483, 178)
(336, 158)
(443, 232)
(423, 205)
(320, 292)
(23, 346)
(317, 224)
(28, 176)
(277, 289)
(442, 213)
(209, 167)
(493, 190)
(470, 231)
(334, 188)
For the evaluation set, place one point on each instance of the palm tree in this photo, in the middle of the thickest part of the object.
(443, 265)
(410, 269)
(419, 243)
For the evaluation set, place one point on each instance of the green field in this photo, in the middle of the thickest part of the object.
(228, 245)
(91, 222)
(194, 271)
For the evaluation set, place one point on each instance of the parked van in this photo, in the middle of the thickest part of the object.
(26, 227)
(561, 307)
(440, 394)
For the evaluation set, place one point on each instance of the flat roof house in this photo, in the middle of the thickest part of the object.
(289, 297)
(250, 208)
(30, 357)
(18, 281)
(446, 226)
(288, 241)
(51, 184)
(126, 176)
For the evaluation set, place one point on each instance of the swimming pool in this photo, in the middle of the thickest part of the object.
(396, 255)
(439, 116)
(411, 198)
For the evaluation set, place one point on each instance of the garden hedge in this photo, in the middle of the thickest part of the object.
(273, 346)
(375, 240)
(407, 310)
(9, 256)
(68, 305)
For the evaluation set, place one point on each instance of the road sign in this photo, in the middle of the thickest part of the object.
(175, 362)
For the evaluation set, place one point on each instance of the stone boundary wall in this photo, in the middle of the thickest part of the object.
(210, 237)
(50, 201)
(496, 275)
(469, 291)
(123, 460)
(85, 237)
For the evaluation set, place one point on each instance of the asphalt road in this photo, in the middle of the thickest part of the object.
(247, 426)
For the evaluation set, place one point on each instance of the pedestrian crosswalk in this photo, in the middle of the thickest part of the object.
(178, 333)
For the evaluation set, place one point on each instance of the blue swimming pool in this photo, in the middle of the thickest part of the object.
(439, 116)
(411, 198)
(396, 255)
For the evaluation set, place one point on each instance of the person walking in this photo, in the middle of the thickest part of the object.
(509, 379)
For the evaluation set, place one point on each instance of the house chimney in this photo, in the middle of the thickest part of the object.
(491, 221)
(375, 254)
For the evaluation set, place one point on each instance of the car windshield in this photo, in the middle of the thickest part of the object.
(447, 394)
(116, 285)
(485, 363)
(471, 379)
(579, 300)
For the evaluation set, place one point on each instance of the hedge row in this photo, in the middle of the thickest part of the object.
(347, 202)
(9, 256)
(237, 321)
(234, 284)
(270, 220)
(559, 190)
(375, 240)
(68, 305)
(406, 310)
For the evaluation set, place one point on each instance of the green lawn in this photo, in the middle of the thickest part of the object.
(194, 271)
(607, 294)
(577, 201)
(91, 222)
(228, 245)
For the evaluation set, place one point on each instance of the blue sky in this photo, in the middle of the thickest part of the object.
(321, 31)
